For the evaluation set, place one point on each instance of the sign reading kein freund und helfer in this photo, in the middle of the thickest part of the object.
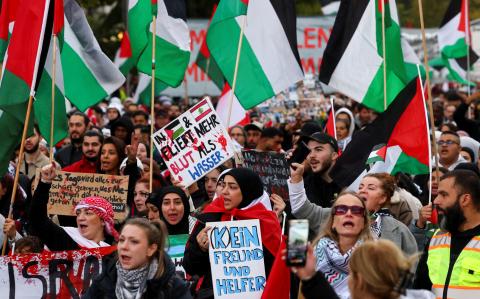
(194, 143)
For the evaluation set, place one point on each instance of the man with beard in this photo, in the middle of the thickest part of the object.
(33, 158)
(319, 187)
(254, 131)
(450, 265)
(69, 154)
(92, 142)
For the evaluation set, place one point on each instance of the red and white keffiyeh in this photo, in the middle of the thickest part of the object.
(103, 209)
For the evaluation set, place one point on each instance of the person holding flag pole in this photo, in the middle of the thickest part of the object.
(21, 71)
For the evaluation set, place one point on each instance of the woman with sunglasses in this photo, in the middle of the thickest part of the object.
(346, 228)
(383, 225)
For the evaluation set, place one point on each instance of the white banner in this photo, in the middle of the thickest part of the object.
(236, 259)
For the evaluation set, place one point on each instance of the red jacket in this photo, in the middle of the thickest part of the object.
(83, 166)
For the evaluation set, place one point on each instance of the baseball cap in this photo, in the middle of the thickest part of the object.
(321, 137)
(254, 126)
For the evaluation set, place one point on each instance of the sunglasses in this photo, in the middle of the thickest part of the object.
(343, 209)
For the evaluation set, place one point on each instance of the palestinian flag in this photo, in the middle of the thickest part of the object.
(20, 68)
(24, 56)
(402, 128)
(123, 58)
(357, 32)
(238, 117)
(42, 106)
(201, 110)
(89, 75)
(454, 40)
(174, 129)
(269, 60)
(176, 245)
(330, 125)
(378, 154)
(7, 19)
(172, 52)
(143, 93)
(207, 63)
(330, 7)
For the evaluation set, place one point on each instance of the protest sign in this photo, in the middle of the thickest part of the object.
(272, 168)
(194, 143)
(60, 274)
(236, 259)
(176, 250)
(69, 188)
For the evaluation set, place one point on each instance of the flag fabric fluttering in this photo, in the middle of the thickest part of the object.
(330, 7)
(123, 58)
(239, 116)
(143, 93)
(172, 38)
(357, 32)
(330, 125)
(454, 38)
(269, 60)
(206, 62)
(7, 20)
(20, 69)
(399, 137)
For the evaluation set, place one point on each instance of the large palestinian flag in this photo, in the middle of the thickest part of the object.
(269, 60)
(454, 40)
(353, 62)
(172, 48)
(396, 141)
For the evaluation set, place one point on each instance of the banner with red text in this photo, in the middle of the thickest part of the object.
(60, 274)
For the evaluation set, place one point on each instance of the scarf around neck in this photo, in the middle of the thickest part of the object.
(334, 264)
(131, 284)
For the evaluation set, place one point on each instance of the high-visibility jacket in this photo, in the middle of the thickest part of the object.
(464, 280)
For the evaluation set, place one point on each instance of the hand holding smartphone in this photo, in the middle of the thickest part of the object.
(297, 242)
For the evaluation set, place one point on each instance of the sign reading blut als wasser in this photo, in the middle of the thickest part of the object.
(236, 259)
(194, 143)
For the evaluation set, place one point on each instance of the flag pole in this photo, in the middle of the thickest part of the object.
(152, 102)
(333, 114)
(52, 118)
(207, 68)
(17, 170)
(384, 51)
(429, 90)
(234, 83)
(467, 42)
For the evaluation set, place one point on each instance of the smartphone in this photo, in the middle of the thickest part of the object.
(299, 154)
(297, 242)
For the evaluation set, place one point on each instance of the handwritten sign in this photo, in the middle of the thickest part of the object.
(69, 188)
(194, 143)
(60, 274)
(272, 168)
(176, 251)
(236, 259)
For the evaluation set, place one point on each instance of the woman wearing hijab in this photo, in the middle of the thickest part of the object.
(95, 226)
(172, 206)
(345, 126)
(242, 198)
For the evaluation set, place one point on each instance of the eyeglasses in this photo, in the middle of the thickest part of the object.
(446, 142)
(343, 209)
(142, 194)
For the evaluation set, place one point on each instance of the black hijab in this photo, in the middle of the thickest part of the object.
(250, 184)
(157, 200)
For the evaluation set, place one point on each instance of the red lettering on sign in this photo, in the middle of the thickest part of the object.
(197, 38)
(308, 36)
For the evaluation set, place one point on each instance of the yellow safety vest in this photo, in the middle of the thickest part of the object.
(465, 277)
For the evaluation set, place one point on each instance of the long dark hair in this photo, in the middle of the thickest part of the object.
(119, 147)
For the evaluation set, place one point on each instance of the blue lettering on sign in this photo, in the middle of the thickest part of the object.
(206, 165)
(238, 237)
(240, 285)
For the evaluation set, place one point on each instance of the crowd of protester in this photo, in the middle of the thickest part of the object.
(364, 244)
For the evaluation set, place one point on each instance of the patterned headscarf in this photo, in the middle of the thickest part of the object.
(103, 209)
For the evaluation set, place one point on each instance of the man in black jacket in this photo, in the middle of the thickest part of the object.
(450, 264)
(77, 126)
